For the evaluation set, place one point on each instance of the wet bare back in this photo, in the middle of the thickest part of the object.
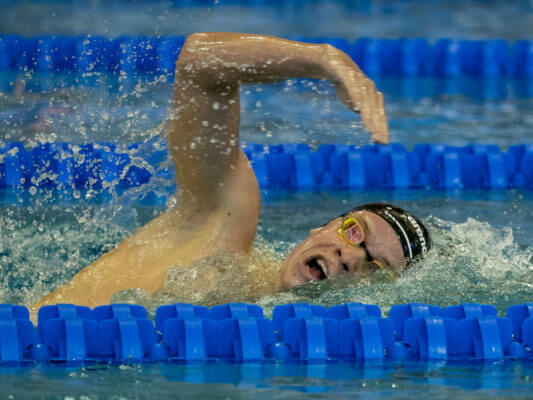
(219, 199)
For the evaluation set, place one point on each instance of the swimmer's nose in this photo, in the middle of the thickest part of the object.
(347, 259)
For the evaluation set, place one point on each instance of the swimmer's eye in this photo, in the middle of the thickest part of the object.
(352, 232)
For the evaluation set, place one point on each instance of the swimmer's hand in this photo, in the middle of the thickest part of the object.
(358, 92)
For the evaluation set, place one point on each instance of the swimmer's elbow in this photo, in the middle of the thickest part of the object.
(194, 46)
(204, 38)
(191, 64)
(197, 37)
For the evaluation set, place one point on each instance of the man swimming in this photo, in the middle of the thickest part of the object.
(218, 195)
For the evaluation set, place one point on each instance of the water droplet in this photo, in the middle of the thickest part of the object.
(33, 190)
(216, 106)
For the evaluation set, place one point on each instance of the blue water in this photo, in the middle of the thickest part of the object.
(452, 111)
(483, 240)
(473, 19)
(483, 251)
(266, 381)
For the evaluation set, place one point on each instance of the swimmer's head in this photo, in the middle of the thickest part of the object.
(367, 238)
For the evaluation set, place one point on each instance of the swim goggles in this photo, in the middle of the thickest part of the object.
(353, 234)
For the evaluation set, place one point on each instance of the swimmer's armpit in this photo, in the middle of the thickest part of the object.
(220, 60)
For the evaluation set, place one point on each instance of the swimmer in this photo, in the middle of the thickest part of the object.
(219, 200)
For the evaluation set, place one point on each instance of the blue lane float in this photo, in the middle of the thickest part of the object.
(102, 168)
(354, 332)
(376, 57)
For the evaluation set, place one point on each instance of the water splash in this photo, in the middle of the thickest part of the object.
(44, 245)
(42, 248)
(469, 262)
(215, 280)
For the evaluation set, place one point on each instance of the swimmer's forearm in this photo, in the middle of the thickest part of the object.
(219, 62)
(218, 58)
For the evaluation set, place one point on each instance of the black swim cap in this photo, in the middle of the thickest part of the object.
(413, 235)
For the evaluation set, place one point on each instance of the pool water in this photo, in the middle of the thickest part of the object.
(266, 381)
(483, 249)
(484, 238)
(38, 107)
(347, 19)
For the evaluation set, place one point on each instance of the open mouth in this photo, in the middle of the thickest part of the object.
(318, 268)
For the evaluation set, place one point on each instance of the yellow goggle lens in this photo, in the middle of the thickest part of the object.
(351, 231)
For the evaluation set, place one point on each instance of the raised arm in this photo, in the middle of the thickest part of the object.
(220, 201)
(204, 131)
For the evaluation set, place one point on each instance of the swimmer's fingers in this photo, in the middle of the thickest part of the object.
(369, 103)
(373, 115)
(381, 133)
(359, 94)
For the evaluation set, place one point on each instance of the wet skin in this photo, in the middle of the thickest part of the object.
(324, 254)
(218, 202)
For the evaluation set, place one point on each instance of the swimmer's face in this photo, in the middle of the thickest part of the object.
(324, 254)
